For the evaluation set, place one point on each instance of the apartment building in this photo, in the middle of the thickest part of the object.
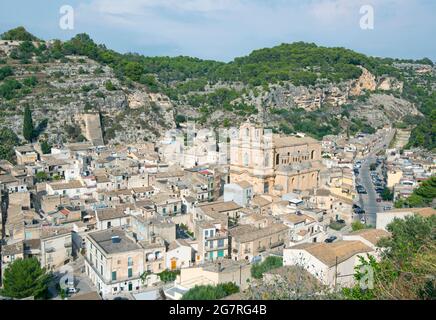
(213, 240)
(248, 242)
(114, 262)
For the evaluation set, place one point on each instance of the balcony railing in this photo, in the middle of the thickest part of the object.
(216, 248)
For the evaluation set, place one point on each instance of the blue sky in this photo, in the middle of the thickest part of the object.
(225, 29)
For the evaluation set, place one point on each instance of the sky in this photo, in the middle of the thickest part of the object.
(225, 29)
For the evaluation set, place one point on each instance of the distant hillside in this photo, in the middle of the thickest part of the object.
(298, 87)
(18, 34)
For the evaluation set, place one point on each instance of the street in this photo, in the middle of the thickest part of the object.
(368, 202)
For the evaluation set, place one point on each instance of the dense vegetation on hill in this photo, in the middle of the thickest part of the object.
(210, 86)
(300, 63)
(19, 34)
(8, 140)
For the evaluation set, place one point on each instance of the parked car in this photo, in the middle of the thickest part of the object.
(361, 190)
(72, 290)
(331, 239)
(359, 211)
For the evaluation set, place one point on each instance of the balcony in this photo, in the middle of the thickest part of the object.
(223, 247)
(218, 235)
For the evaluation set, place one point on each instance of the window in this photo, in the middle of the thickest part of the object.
(129, 261)
(175, 208)
(206, 233)
(101, 270)
(114, 275)
(164, 210)
(221, 243)
(211, 244)
(246, 159)
(130, 272)
(277, 159)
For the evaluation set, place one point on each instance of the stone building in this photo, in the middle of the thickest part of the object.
(272, 163)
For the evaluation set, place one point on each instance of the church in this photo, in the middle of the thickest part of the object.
(274, 164)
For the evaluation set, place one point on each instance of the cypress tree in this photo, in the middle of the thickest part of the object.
(28, 129)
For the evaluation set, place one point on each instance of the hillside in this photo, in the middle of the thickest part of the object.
(293, 87)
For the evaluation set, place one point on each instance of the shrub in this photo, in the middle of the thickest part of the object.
(270, 263)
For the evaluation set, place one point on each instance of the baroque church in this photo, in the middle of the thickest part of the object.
(274, 164)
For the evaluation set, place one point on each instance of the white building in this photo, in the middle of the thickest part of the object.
(241, 193)
(179, 255)
(114, 262)
(386, 217)
(331, 263)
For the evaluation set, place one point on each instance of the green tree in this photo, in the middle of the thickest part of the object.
(421, 196)
(109, 86)
(28, 129)
(45, 147)
(407, 266)
(270, 263)
(168, 276)
(19, 34)
(210, 292)
(387, 194)
(357, 225)
(25, 278)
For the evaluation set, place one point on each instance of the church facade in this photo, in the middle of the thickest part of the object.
(272, 163)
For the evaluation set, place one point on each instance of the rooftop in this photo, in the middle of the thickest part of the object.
(104, 240)
(372, 235)
(329, 252)
(109, 214)
(249, 233)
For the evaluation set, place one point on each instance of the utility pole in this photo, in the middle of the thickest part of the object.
(336, 273)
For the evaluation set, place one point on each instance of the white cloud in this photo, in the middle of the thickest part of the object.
(227, 28)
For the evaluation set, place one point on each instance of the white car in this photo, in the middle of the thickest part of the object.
(72, 290)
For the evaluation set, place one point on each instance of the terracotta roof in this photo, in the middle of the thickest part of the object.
(109, 214)
(281, 142)
(220, 206)
(74, 184)
(244, 184)
(249, 233)
(372, 235)
(425, 212)
(328, 252)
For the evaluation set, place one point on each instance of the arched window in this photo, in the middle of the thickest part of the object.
(312, 155)
(246, 159)
(277, 159)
